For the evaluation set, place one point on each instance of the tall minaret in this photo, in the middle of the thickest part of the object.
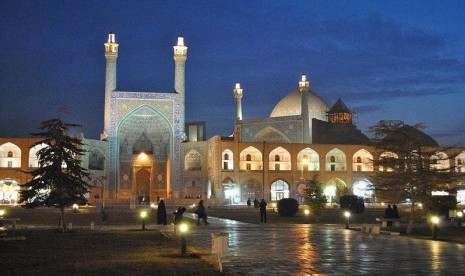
(180, 57)
(304, 87)
(238, 98)
(111, 55)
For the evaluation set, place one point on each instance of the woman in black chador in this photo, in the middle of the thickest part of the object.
(263, 211)
(201, 213)
(161, 213)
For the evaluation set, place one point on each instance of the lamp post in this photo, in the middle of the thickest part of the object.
(459, 218)
(434, 227)
(143, 215)
(307, 214)
(183, 231)
(347, 215)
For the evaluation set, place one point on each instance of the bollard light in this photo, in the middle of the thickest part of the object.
(143, 215)
(307, 214)
(2, 213)
(434, 228)
(183, 228)
(347, 216)
(75, 207)
(420, 205)
(459, 218)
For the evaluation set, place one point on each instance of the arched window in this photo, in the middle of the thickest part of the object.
(228, 162)
(226, 156)
(332, 158)
(276, 158)
(359, 159)
(248, 157)
(10, 154)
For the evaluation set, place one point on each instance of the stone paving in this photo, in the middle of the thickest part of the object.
(296, 249)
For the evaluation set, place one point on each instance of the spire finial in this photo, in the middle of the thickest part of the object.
(304, 84)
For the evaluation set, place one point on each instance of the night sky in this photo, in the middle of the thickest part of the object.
(402, 60)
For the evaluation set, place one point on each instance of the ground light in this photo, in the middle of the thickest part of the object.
(2, 213)
(307, 214)
(347, 216)
(183, 228)
(75, 207)
(459, 218)
(434, 226)
(143, 216)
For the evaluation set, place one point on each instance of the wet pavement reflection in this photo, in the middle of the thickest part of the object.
(283, 249)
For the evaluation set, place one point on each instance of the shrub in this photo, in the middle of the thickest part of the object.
(287, 207)
(352, 203)
(440, 205)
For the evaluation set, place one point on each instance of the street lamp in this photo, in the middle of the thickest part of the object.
(183, 231)
(434, 226)
(459, 218)
(347, 215)
(143, 215)
(307, 213)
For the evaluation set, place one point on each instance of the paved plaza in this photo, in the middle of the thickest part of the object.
(296, 249)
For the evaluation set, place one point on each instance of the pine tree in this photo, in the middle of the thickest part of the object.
(59, 179)
(314, 196)
(408, 164)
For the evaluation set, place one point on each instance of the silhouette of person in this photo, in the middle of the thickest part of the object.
(201, 213)
(395, 212)
(263, 211)
(255, 203)
(248, 202)
(389, 213)
(161, 213)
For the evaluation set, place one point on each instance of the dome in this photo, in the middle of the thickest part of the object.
(291, 106)
(410, 133)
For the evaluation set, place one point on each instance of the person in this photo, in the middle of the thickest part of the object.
(263, 211)
(161, 213)
(395, 212)
(201, 213)
(255, 203)
(104, 214)
(248, 202)
(389, 214)
(178, 215)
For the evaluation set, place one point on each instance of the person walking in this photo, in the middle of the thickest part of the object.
(201, 213)
(263, 211)
(161, 213)
(389, 214)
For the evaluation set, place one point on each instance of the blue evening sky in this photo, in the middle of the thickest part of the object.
(402, 60)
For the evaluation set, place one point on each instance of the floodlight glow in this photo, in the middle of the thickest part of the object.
(420, 205)
(307, 212)
(183, 228)
(153, 205)
(75, 206)
(2, 213)
(143, 214)
(459, 214)
(435, 220)
(347, 214)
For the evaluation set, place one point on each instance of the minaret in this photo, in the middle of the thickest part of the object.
(237, 91)
(111, 55)
(304, 87)
(180, 57)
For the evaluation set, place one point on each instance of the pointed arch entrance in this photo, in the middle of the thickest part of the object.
(334, 189)
(144, 154)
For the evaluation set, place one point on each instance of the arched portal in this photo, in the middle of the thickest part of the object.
(279, 190)
(334, 189)
(9, 191)
(144, 142)
(364, 188)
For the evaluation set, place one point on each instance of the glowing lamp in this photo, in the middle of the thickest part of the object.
(435, 220)
(307, 212)
(143, 214)
(347, 214)
(183, 228)
(75, 206)
(2, 212)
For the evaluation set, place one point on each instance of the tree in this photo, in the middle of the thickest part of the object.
(58, 181)
(314, 196)
(410, 163)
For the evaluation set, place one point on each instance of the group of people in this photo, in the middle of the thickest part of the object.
(178, 214)
(391, 213)
(262, 205)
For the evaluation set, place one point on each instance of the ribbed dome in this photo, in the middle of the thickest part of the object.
(291, 106)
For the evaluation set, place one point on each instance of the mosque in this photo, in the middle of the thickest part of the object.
(147, 150)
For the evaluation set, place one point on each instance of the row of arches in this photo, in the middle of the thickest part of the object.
(10, 156)
(279, 159)
(239, 193)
